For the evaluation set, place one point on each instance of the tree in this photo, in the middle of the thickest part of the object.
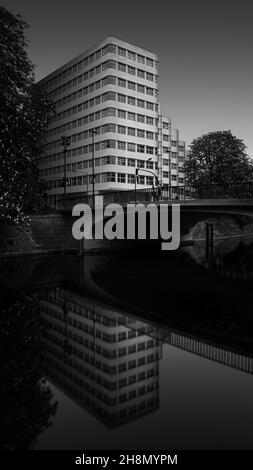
(28, 404)
(25, 115)
(218, 158)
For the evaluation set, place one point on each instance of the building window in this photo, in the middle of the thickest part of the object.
(131, 131)
(131, 116)
(131, 147)
(109, 80)
(121, 98)
(165, 162)
(140, 118)
(149, 180)
(121, 161)
(149, 135)
(140, 133)
(110, 95)
(150, 91)
(165, 174)
(108, 144)
(140, 164)
(122, 82)
(140, 148)
(150, 105)
(131, 85)
(121, 113)
(141, 103)
(108, 177)
(131, 179)
(107, 112)
(121, 178)
(141, 179)
(122, 51)
(108, 160)
(109, 64)
(141, 58)
(131, 162)
(150, 121)
(131, 100)
(141, 88)
(150, 76)
(132, 379)
(121, 129)
(121, 67)
(150, 165)
(108, 128)
(131, 55)
(140, 73)
(131, 70)
(150, 62)
(121, 145)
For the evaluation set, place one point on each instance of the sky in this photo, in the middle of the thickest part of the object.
(204, 49)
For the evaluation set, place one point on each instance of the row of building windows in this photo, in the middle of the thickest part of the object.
(104, 336)
(105, 144)
(112, 417)
(110, 48)
(107, 96)
(106, 112)
(111, 128)
(107, 384)
(59, 298)
(108, 80)
(109, 160)
(88, 356)
(96, 392)
(111, 177)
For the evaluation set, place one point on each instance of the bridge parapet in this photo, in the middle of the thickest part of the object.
(226, 194)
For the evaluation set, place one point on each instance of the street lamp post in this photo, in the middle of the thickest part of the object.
(147, 171)
(65, 142)
(94, 131)
(135, 183)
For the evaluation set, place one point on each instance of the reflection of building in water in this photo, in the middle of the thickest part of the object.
(105, 365)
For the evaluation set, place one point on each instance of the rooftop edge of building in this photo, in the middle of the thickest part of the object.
(107, 40)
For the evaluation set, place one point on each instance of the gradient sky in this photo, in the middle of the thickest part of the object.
(205, 52)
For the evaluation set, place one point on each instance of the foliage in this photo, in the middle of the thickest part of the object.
(26, 399)
(25, 114)
(218, 158)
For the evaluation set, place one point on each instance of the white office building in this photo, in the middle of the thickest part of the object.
(107, 104)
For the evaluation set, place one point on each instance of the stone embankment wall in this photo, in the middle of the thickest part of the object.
(46, 233)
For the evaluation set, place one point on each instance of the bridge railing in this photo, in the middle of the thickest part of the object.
(165, 193)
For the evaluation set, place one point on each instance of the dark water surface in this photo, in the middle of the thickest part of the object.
(129, 351)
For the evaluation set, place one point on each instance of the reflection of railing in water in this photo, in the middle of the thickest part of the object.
(215, 353)
(94, 370)
(195, 346)
(167, 335)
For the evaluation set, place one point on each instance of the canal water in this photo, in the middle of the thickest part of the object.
(145, 350)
